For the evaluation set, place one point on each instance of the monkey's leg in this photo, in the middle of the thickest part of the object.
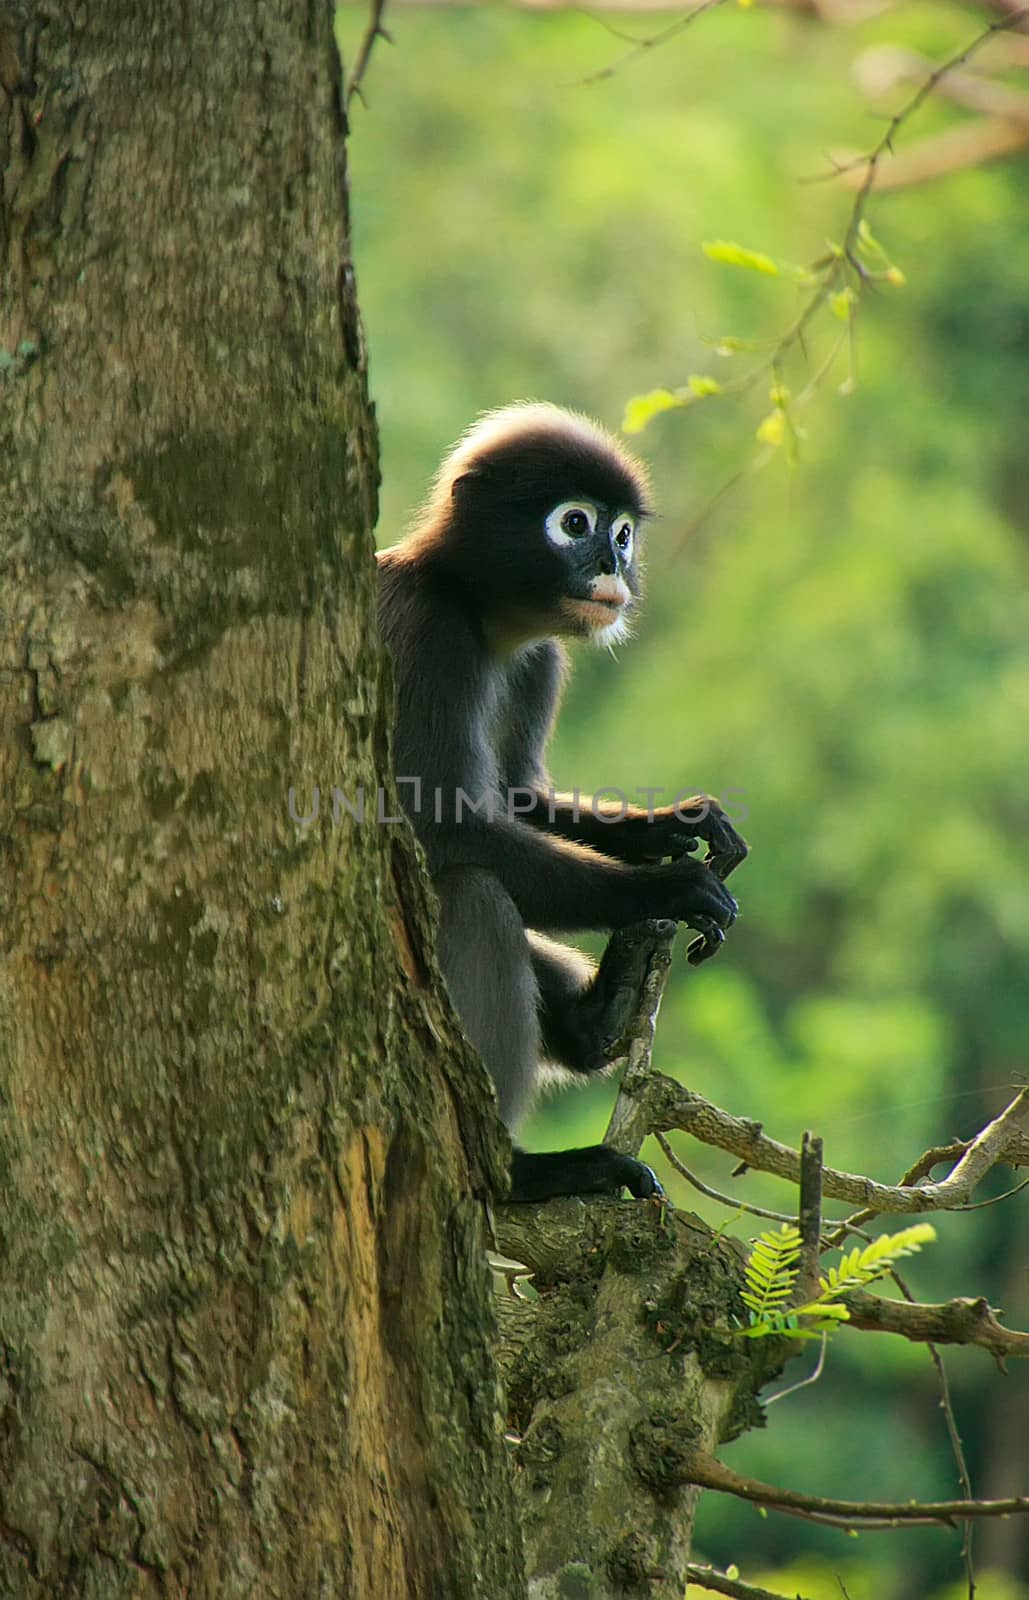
(584, 1014)
(485, 960)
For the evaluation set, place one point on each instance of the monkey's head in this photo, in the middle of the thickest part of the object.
(540, 510)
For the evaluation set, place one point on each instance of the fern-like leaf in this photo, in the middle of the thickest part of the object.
(771, 1272)
(862, 1266)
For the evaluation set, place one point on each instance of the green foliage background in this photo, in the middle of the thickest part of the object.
(844, 644)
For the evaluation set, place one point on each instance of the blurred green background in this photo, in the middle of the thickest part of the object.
(843, 644)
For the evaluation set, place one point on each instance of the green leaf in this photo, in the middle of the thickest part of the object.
(862, 1266)
(770, 1273)
(773, 429)
(842, 304)
(866, 236)
(729, 345)
(735, 255)
(643, 408)
(868, 244)
(831, 1310)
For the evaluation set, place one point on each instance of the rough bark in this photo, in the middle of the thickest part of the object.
(619, 1374)
(234, 1196)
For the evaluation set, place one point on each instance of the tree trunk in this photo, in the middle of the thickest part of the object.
(234, 1190)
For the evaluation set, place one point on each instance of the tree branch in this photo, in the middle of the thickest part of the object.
(1016, 1155)
(882, 68)
(641, 46)
(809, 1218)
(665, 1104)
(970, 145)
(630, 1122)
(374, 31)
(729, 1200)
(709, 1473)
(719, 1583)
(960, 1321)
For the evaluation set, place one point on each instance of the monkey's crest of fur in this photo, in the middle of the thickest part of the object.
(519, 427)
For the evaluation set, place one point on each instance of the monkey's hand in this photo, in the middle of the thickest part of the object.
(677, 831)
(693, 892)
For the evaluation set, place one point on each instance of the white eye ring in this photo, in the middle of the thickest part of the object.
(623, 532)
(563, 526)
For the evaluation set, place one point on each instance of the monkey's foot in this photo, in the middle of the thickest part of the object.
(598, 1169)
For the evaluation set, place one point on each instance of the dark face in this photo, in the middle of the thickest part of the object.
(595, 550)
(549, 528)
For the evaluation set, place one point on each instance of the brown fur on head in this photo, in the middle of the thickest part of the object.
(537, 426)
(536, 511)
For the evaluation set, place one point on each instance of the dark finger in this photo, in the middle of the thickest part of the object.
(682, 844)
(723, 862)
(704, 948)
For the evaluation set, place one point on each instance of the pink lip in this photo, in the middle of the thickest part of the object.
(609, 592)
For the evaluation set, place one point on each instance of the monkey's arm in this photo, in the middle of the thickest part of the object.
(559, 886)
(633, 834)
(442, 736)
(626, 832)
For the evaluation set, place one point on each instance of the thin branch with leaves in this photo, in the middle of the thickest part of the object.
(839, 281)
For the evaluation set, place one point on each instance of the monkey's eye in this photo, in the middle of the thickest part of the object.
(571, 520)
(623, 533)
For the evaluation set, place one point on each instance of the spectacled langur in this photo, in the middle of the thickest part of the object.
(531, 534)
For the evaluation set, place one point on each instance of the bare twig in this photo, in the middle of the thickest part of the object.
(710, 1473)
(813, 1377)
(1014, 1155)
(716, 1194)
(960, 1461)
(918, 99)
(809, 1218)
(971, 145)
(996, 1199)
(720, 1583)
(629, 1124)
(843, 270)
(1017, 1155)
(951, 1422)
(641, 46)
(374, 31)
(669, 1105)
(880, 69)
